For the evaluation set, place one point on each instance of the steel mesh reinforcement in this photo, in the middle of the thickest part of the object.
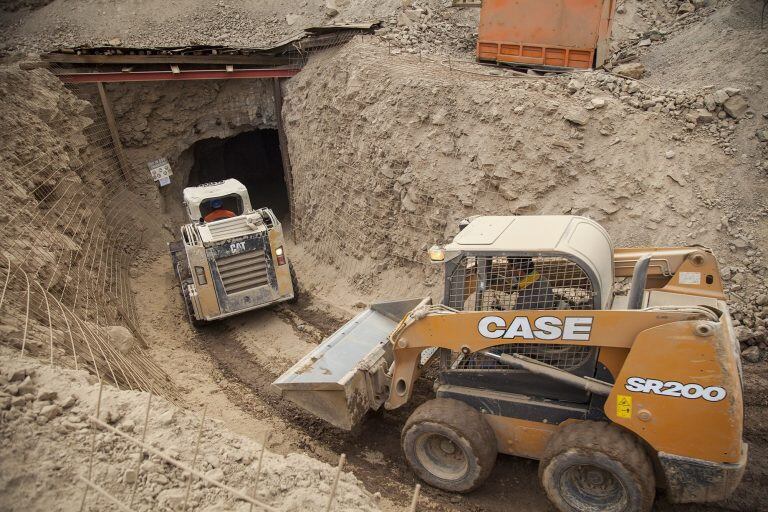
(70, 231)
(487, 283)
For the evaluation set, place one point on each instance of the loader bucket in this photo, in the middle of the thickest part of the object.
(345, 376)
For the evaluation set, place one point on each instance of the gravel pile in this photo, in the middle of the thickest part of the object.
(45, 438)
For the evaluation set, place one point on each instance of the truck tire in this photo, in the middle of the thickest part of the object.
(593, 465)
(294, 284)
(449, 445)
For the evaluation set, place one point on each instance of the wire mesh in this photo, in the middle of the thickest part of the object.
(69, 234)
(254, 484)
(500, 283)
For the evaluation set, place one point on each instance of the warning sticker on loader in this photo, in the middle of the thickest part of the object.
(693, 278)
(623, 406)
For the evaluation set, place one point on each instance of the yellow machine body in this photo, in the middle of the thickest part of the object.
(666, 352)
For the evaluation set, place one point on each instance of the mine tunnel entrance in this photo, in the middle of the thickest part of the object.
(254, 159)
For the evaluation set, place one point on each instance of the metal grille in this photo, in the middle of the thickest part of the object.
(499, 283)
(565, 357)
(243, 271)
(232, 228)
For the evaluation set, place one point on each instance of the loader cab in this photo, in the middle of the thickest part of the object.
(492, 260)
(527, 263)
(199, 200)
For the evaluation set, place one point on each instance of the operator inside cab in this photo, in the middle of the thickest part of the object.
(533, 290)
(218, 212)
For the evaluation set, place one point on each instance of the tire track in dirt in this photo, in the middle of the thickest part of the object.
(377, 437)
(238, 365)
(379, 433)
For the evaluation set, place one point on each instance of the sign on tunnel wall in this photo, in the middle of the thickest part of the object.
(160, 170)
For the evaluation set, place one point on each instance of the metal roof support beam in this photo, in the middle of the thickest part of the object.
(156, 76)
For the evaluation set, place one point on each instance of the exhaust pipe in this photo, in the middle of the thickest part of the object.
(639, 277)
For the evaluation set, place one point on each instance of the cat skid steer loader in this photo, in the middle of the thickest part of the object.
(231, 258)
(616, 395)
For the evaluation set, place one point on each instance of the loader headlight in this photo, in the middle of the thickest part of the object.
(437, 253)
(280, 255)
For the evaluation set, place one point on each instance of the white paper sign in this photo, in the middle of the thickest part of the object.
(160, 169)
(690, 278)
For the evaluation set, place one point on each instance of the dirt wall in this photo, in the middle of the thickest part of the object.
(389, 153)
(47, 443)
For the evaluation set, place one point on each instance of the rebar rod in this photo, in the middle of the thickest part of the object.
(194, 457)
(335, 484)
(182, 466)
(258, 466)
(101, 491)
(140, 455)
(93, 447)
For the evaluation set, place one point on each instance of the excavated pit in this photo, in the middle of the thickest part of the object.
(387, 154)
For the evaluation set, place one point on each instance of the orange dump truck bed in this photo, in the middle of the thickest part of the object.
(561, 33)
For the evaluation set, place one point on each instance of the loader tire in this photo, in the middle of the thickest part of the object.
(597, 466)
(449, 445)
(294, 284)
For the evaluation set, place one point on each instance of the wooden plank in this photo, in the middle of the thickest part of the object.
(112, 125)
(258, 60)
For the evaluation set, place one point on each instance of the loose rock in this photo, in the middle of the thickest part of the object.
(751, 354)
(577, 116)
(631, 70)
(736, 106)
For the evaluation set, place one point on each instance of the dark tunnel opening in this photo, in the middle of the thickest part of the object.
(254, 159)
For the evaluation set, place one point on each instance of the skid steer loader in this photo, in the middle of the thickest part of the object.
(234, 263)
(615, 395)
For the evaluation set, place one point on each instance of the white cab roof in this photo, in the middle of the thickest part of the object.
(193, 196)
(579, 238)
(216, 189)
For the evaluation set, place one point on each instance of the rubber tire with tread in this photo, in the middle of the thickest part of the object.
(604, 445)
(465, 427)
(294, 283)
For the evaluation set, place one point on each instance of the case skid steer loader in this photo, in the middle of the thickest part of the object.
(235, 263)
(615, 395)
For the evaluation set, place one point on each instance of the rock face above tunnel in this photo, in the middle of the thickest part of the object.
(165, 119)
(388, 153)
